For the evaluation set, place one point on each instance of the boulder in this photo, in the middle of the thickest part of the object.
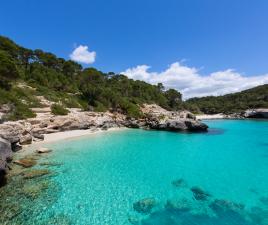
(43, 150)
(256, 113)
(200, 194)
(145, 205)
(11, 132)
(26, 139)
(5, 156)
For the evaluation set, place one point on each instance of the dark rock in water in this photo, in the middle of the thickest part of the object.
(5, 156)
(179, 183)
(50, 164)
(145, 205)
(264, 200)
(133, 220)
(194, 125)
(35, 173)
(223, 205)
(181, 205)
(200, 194)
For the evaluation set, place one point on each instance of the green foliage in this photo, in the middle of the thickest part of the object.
(253, 98)
(65, 81)
(8, 70)
(174, 98)
(58, 109)
(20, 111)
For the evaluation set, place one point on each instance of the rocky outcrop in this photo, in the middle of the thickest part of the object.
(5, 156)
(161, 119)
(256, 113)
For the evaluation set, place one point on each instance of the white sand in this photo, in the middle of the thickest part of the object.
(210, 117)
(53, 137)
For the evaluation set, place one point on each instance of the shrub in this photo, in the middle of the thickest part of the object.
(58, 109)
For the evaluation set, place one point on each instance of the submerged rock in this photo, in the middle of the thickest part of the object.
(43, 150)
(35, 173)
(223, 205)
(200, 194)
(182, 205)
(179, 183)
(34, 190)
(26, 162)
(51, 164)
(145, 205)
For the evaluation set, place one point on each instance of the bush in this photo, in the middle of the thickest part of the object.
(58, 109)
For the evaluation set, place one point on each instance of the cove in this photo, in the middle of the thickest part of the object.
(219, 177)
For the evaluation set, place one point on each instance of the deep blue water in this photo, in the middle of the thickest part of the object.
(104, 174)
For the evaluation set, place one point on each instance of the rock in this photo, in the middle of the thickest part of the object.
(5, 156)
(131, 124)
(256, 113)
(200, 194)
(179, 183)
(161, 119)
(26, 139)
(11, 132)
(26, 162)
(43, 150)
(145, 205)
(33, 191)
(39, 136)
(35, 173)
(48, 164)
(182, 205)
(194, 125)
(219, 205)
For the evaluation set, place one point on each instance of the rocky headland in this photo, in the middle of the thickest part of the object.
(13, 135)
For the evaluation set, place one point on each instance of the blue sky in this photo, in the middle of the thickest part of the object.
(204, 36)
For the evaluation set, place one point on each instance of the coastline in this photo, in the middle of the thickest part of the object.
(211, 117)
(65, 135)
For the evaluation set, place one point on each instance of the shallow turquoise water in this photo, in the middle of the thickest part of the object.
(104, 174)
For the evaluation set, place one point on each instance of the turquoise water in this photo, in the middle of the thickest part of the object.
(104, 174)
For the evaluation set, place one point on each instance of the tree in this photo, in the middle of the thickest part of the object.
(8, 70)
(174, 98)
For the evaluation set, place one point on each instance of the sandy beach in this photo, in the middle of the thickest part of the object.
(211, 117)
(65, 135)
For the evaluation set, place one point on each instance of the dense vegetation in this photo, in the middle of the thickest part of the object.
(26, 73)
(252, 98)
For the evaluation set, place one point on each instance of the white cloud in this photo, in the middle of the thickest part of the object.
(83, 55)
(191, 83)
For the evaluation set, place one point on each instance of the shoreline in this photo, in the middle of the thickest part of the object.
(67, 135)
(212, 117)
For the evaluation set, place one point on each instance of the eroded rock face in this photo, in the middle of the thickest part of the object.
(5, 155)
(11, 132)
(256, 113)
(161, 119)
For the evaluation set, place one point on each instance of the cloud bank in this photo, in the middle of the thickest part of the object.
(82, 54)
(191, 83)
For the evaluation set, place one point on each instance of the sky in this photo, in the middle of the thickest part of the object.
(199, 47)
